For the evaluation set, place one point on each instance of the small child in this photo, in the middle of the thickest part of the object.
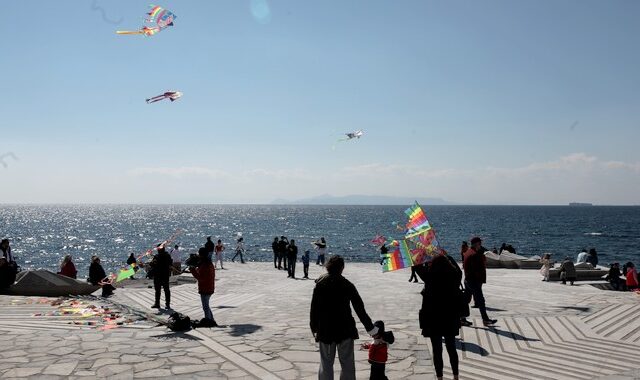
(305, 263)
(378, 351)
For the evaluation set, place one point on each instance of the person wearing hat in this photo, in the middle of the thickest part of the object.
(332, 323)
(475, 274)
(378, 351)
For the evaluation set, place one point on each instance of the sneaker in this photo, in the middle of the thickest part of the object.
(466, 323)
(474, 306)
(168, 307)
(489, 322)
(155, 306)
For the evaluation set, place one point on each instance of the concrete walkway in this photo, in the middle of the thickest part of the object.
(545, 331)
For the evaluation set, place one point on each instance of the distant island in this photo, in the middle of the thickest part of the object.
(580, 204)
(361, 200)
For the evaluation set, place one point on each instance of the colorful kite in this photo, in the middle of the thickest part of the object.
(419, 244)
(171, 95)
(350, 136)
(126, 273)
(158, 18)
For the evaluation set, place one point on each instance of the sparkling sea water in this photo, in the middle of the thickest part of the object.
(42, 234)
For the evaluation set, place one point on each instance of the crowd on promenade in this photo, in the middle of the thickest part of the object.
(446, 297)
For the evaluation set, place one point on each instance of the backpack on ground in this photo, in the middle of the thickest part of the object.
(179, 322)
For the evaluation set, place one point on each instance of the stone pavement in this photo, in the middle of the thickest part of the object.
(545, 331)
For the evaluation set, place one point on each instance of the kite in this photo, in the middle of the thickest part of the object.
(350, 136)
(158, 19)
(354, 135)
(171, 95)
(126, 273)
(418, 246)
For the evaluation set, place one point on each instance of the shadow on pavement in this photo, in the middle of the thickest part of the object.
(243, 329)
(471, 347)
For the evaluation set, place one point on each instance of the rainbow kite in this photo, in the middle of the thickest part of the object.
(159, 19)
(419, 244)
(398, 259)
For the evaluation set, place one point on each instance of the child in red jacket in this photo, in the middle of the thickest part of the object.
(378, 351)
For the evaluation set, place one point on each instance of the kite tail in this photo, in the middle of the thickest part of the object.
(129, 32)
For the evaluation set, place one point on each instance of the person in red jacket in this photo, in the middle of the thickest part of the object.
(67, 268)
(205, 273)
(378, 351)
(475, 274)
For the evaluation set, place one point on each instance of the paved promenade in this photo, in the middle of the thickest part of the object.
(545, 331)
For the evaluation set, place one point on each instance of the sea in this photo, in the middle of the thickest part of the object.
(42, 234)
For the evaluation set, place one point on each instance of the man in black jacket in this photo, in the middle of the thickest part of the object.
(332, 324)
(162, 264)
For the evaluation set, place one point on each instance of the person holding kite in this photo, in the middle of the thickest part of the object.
(97, 276)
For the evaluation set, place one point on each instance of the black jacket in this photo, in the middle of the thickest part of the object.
(331, 318)
(96, 273)
(161, 264)
(209, 246)
(292, 250)
(441, 302)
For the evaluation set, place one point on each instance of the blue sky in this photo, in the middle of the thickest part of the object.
(497, 102)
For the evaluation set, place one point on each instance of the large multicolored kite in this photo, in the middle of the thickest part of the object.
(158, 18)
(418, 246)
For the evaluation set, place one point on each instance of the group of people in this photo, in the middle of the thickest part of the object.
(625, 279)
(285, 255)
(445, 308)
(590, 257)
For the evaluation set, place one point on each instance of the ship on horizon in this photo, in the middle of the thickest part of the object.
(580, 204)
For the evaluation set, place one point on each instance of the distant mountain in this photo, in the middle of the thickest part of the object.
(375, 200)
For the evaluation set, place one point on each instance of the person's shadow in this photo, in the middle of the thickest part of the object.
(471, 347)
(243, 329)
(510, 334)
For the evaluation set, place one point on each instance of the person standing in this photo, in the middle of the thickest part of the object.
(292, 257)
(274, 248)
(440, 313)
(546, 266)
(464, 248)
(210, 247)
(162, 266)
(282, 252)
(331, 322)
(475, 273)
(321, 246)
(205, 273)
(305, 264)
(219, 248)
(176, 256)
(67, 268)
(131, 259)
(239, 250)
(413, 277)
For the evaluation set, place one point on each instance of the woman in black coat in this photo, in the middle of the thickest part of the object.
(441, 310)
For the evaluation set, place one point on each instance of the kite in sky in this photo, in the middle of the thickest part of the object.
(354, 135)
(171, 95)
(158, 19)
(350, 136)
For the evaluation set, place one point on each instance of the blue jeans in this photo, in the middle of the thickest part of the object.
(205, 305)
(478, 297)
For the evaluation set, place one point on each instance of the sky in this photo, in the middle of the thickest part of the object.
(483, 102)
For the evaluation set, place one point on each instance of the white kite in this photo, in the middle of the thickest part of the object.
(171, 95)
(350, 136)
